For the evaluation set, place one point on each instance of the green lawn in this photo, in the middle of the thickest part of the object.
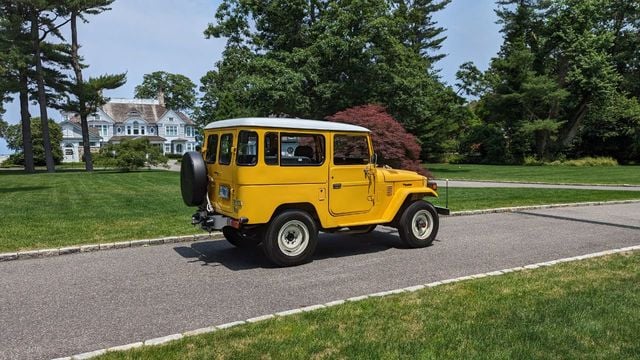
(73, 207)
(461, 199)
(580, 310)
(548, 174)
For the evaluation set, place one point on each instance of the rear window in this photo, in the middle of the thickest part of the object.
(212, 149)
(247, 148)
(301, 149)
(271, 148)
(226, 141)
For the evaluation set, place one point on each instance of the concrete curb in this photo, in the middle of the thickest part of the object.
(44, 253)
(210, 329)
(36, 254)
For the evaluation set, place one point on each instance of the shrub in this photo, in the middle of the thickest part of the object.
(130, 155)
(393, 144)
(532, 161)
(589, 161)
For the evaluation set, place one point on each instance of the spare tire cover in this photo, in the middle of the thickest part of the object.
(193, 178)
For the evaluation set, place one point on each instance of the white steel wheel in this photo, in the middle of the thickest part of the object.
(290, 238)
(422, 224)
(293, 238)
(418, 224)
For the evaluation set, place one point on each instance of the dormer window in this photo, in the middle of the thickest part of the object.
(170, 118)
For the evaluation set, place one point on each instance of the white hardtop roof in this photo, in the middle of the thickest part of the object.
(286, 123)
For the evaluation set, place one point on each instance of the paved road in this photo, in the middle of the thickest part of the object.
(485, 184)
(71, 304)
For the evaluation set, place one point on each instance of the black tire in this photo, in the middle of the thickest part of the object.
(240, 239)
(418, 225)
(193, 179)
(290, 238)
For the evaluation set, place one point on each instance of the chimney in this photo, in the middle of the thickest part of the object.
(160, 97)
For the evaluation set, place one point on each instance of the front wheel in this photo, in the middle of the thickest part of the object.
(290, 238)
(418, 225)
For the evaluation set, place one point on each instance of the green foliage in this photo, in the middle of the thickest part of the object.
(563, 81)
(14, 141)
(130, 155)
(311, 59)
(178, 90)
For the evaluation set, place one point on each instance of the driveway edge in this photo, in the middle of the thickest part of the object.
(44, 253)
(173, 337)
(77, 249)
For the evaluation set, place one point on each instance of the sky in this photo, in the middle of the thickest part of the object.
(142, 36)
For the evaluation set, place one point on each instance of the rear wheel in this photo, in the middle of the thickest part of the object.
(418, 225)
(242, 239)
(290, 238)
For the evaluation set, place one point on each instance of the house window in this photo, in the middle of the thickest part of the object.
(167, 148)
(96, 117)
(119, 130)
(128, 129)
(136, 128)
(104, 130)
(189, 131)
(179, 148)
(170, 118)
(171, 130)
(152, 130)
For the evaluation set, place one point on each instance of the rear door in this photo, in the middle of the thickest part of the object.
(219, 154)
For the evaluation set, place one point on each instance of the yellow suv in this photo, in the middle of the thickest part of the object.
(281, 181)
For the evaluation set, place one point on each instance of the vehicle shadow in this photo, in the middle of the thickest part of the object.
(221, 253)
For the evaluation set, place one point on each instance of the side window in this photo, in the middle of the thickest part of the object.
(212, 149)
(226, 142)
(301, 149)
(350, 150)
(247, 148)
(271, 148)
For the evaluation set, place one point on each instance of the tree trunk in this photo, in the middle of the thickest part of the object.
(25, 118)
(573, 126)
(82, 108)
(42, 97)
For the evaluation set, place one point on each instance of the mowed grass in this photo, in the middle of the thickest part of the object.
(69, 208)
(545, 174)
(74, 207)
(461, 199)
(581, 310)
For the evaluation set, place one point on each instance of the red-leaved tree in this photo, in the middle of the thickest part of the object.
(393, 144)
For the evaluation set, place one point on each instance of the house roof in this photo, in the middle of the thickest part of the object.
(93, 132)
(286, 124)
(149, 110)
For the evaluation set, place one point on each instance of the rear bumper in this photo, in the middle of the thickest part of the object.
(443, 210)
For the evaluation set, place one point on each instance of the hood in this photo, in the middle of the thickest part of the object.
(400, 175)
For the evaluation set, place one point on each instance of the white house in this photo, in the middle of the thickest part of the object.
(121, 119)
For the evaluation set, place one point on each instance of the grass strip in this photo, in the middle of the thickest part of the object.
(461, 199)
(545, 174)
(578, 310)
(73, 207)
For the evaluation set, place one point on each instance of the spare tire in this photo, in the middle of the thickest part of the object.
(193, 178)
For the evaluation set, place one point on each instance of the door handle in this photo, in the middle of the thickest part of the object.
(337, 185)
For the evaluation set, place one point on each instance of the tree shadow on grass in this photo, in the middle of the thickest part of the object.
(440, 171)
(22, 189)
(221, 253)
